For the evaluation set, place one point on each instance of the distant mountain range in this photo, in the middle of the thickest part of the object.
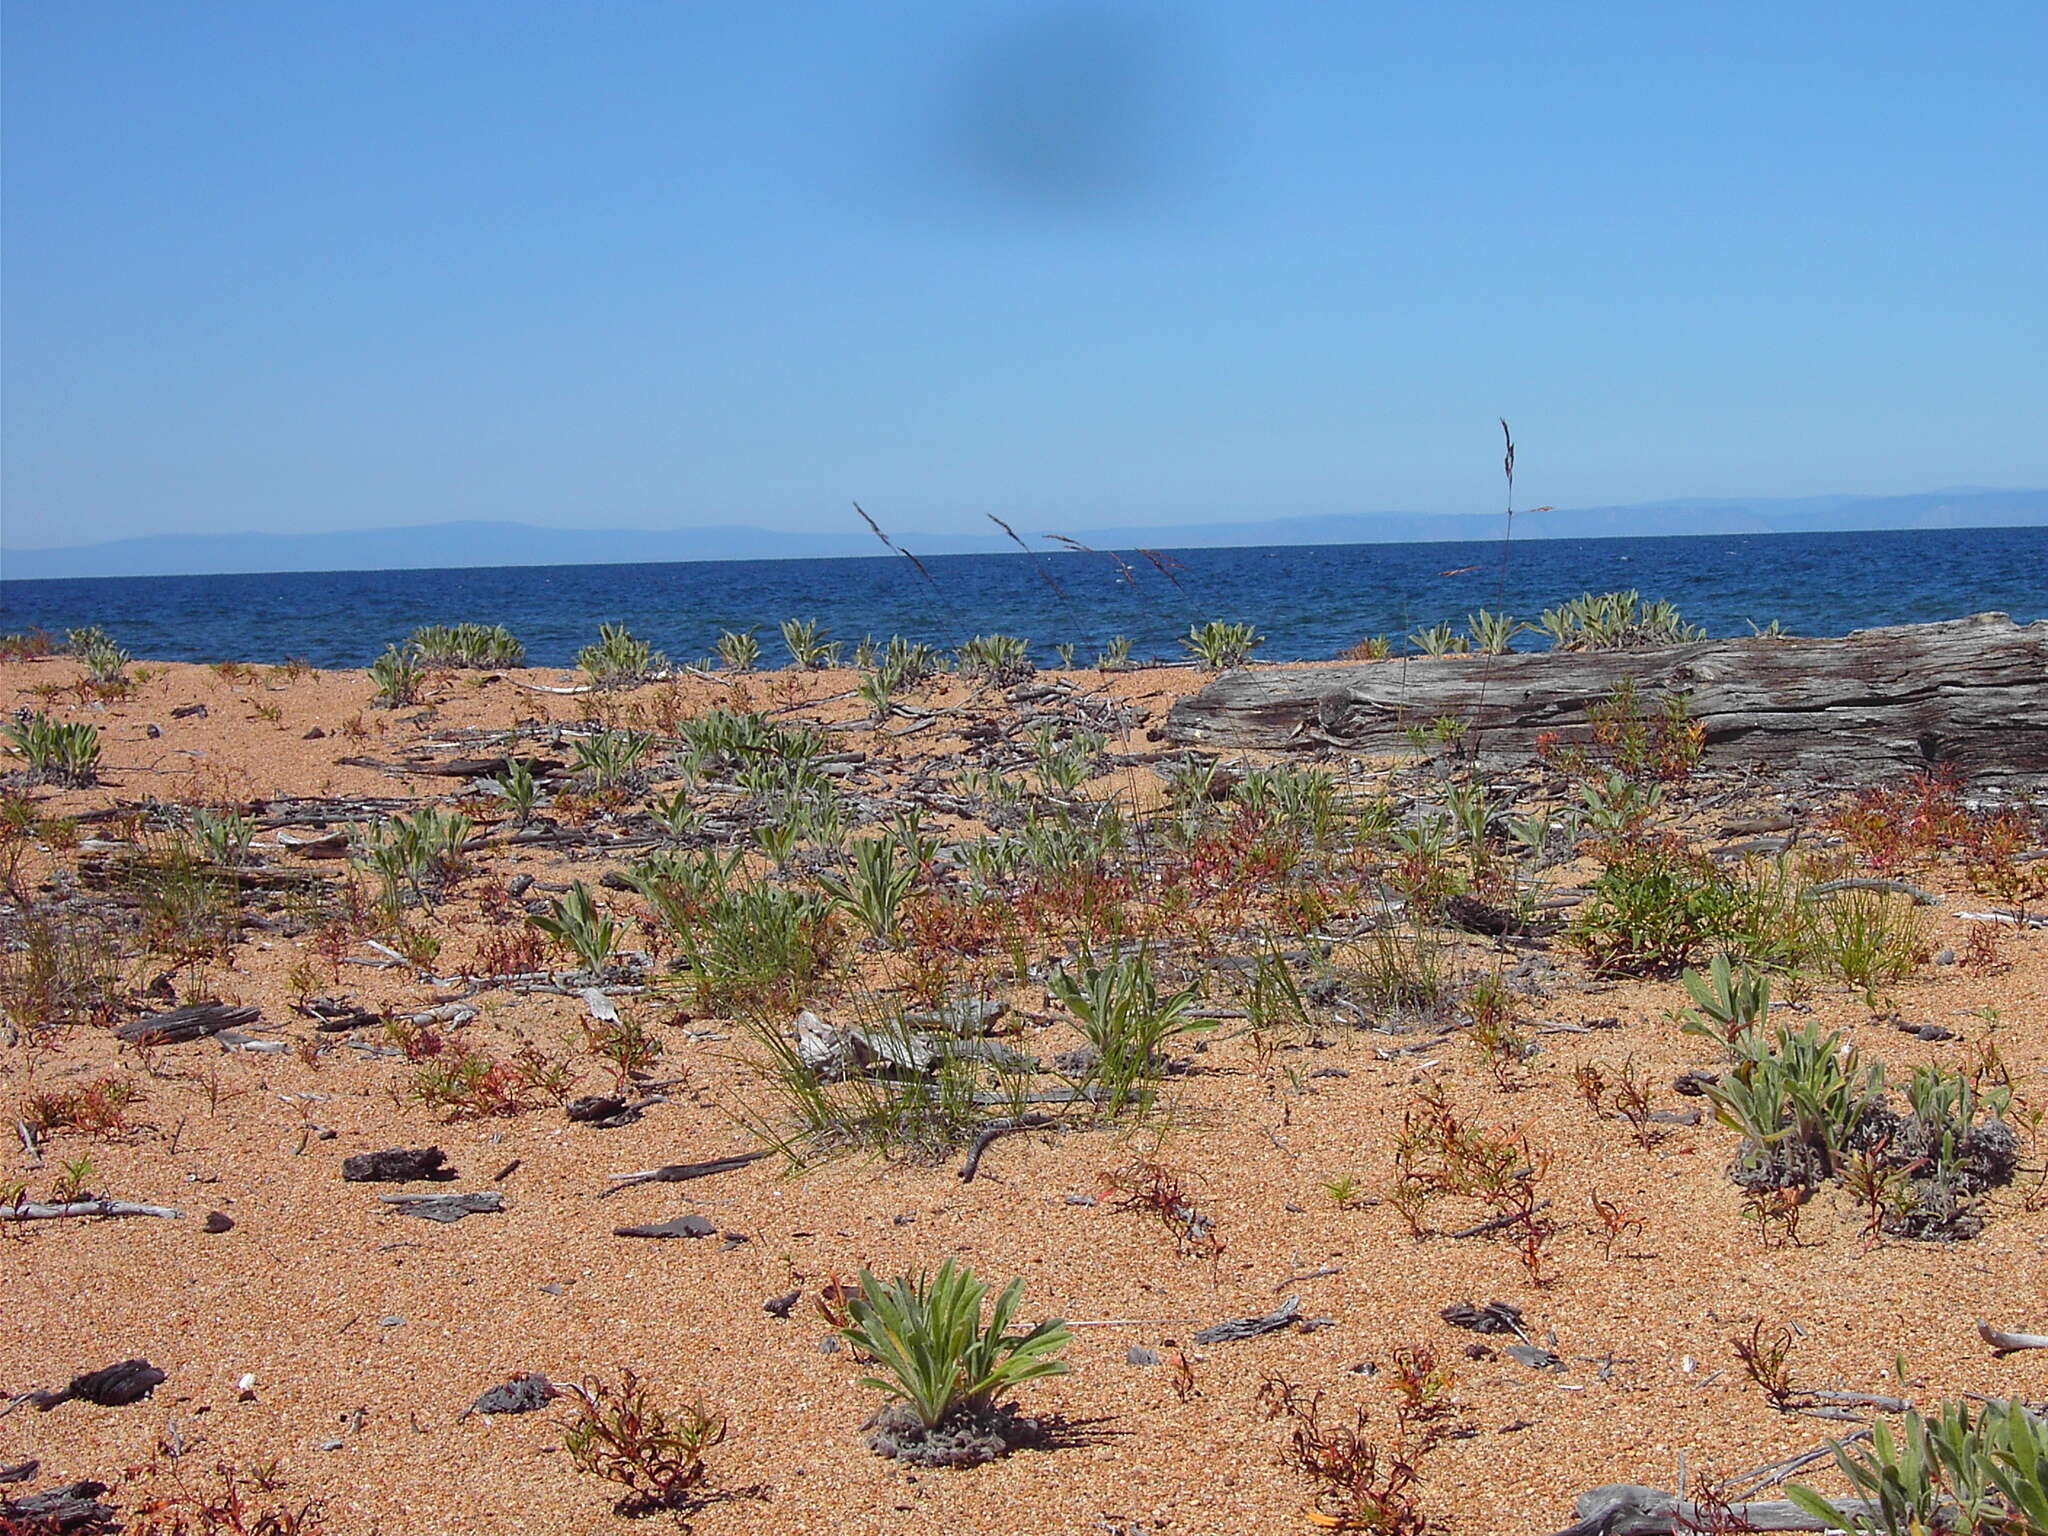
(445, 545)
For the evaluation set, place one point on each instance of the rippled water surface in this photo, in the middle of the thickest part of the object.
(1309, 601)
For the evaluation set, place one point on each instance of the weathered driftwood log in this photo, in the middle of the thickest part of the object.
(1968, 693)
(1630, 1509)
(73, 1507)
(194, 1021)
(446, 1207)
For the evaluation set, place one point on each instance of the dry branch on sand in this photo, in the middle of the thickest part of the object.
(46, 1211)
(2006, 1343)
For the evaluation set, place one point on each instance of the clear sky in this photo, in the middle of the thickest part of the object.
(288, 266)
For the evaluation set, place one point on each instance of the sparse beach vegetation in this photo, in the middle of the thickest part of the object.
(473, 646)
(967, 952)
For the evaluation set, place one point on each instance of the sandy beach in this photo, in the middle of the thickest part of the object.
(332, 1343)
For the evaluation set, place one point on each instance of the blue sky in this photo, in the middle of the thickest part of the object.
(294, 267)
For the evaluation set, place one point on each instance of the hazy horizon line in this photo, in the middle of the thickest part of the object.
(1655, 503)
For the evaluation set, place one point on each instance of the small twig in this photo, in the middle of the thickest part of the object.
(677, 1173)
(412, 965)
(548, 687)
(41, 1212)
(1496, 1223)
(1878, 1400)
(1999, 915)
(1778, 1471)
(1920, 895)
(1313, 1274)
(1031, 1122)
(29, 1145)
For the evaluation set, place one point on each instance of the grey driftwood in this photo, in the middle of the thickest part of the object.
(39, 1211)
(677, 1173)
(1630, 1509)
(1251, 1327)
(446, 1207)
(194, 1021)
(1971, 694)
(2005, 1341)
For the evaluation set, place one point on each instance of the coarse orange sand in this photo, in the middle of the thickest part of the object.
(368, 1333)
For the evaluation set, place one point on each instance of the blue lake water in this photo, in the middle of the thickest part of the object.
(1310, 601)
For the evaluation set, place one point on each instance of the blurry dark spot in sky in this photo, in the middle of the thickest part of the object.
(1073, 109)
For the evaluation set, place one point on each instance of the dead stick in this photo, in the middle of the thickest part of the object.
(36, 1212)
(1878, 1400)
(1496, 1223)
(677, 1173)
(1778, 1471)
(547, 687)
(1921, 896)
(1314, 1274)
(397, 959)
(990, 1132)
(2005, 1343)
